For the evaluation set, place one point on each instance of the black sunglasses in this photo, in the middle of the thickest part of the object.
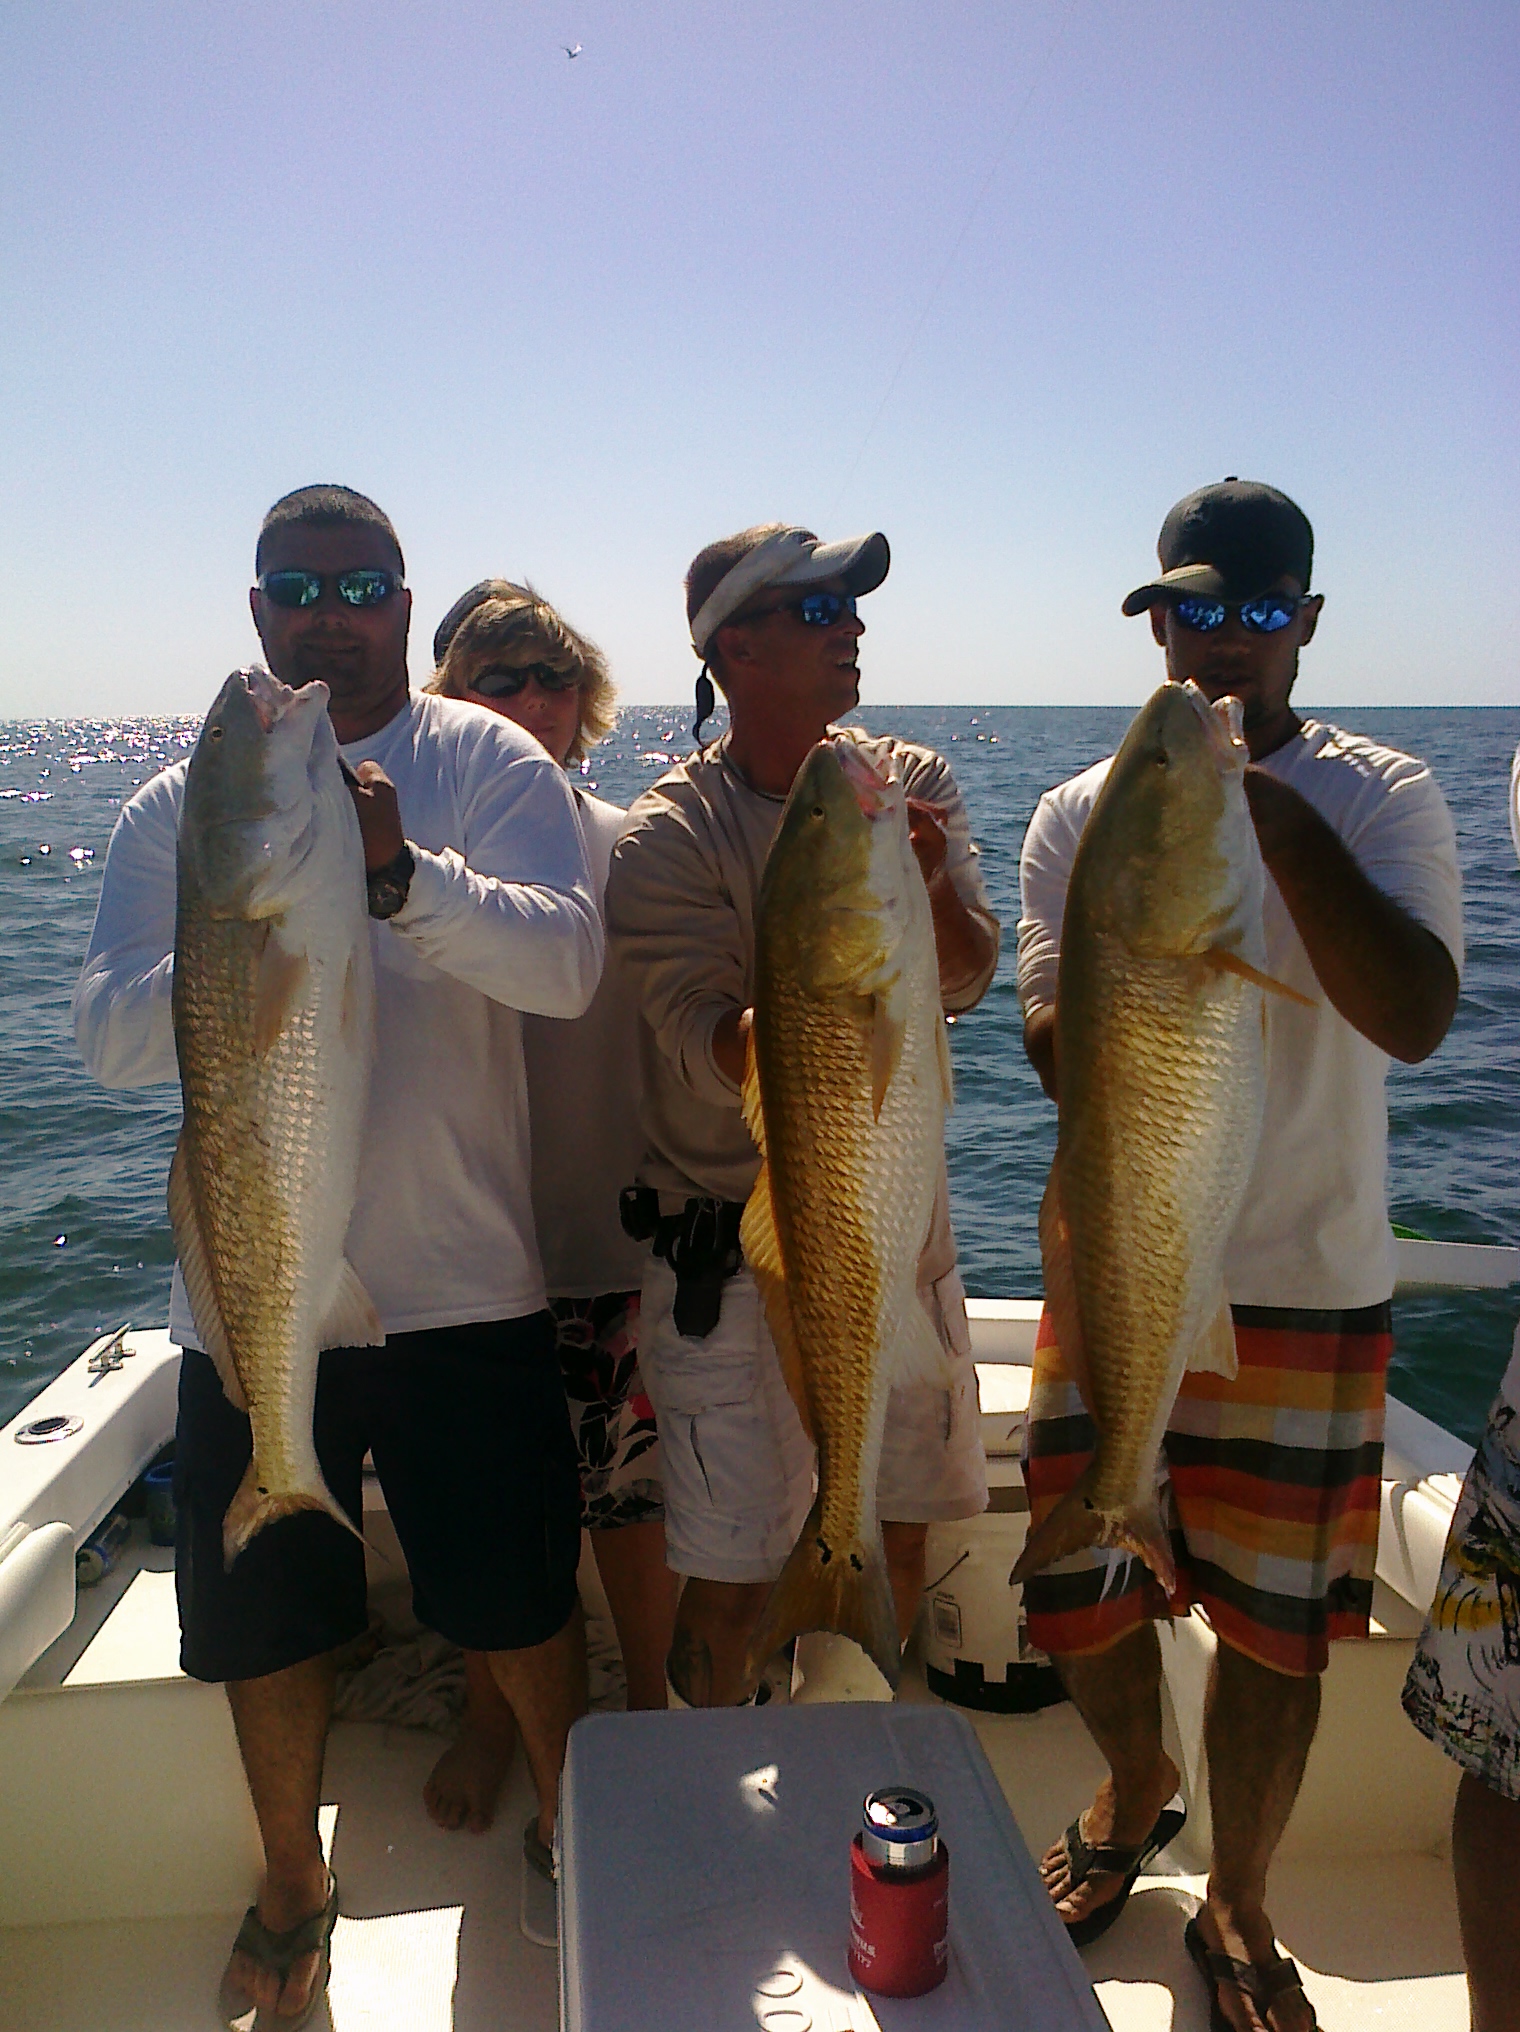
(501, 682)
(1263, 616)
(362, 588)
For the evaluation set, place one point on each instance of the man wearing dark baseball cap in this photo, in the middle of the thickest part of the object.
(1272, 1479)
(772, 613)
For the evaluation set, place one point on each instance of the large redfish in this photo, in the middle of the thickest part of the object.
(849, 1080)
(273, 1023)
(1160, 1060)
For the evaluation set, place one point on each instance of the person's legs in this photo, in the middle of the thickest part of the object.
(1485, 1860)
(737, 1470)
(267, 1629)
(465, 1784)
(1258, 1729)
(714, 1622)
(904, 1545)
(474, 1451)
(545, 1687)
(1117, 1692)
(281, 1722)
(641, 1593)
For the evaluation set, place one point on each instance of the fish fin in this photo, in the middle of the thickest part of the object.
(195, 1268)
(749, 1093)
(1061, 1283)
(1225, 962)
(946, 1069)
(824, 1587)
(762, 1252)
(1215, 1351)
(351, 1320)
(282, 975)
(887, 1032)
(917, 1355)
(252, 1508)
(1076, 1523)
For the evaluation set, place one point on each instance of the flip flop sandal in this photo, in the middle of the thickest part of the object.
(538, 1915)
(1263, 1982)
(279, 1953)
(1088, 1859)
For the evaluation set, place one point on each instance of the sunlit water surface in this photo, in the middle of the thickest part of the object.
(84, 1239)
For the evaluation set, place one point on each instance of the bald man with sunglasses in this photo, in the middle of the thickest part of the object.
(1272, 1479)
(773, 617)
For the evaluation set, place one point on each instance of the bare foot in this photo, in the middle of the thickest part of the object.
(1125, 1824)
(466, 1781)
(1248, 1936)
(280, 1906)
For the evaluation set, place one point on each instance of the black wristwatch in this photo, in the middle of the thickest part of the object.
(388, 886)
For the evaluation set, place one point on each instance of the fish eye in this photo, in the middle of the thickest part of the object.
(818, 811)
(217, 733)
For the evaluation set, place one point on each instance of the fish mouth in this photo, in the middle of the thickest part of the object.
(872, 790)
(270, 699)
(1224, 722)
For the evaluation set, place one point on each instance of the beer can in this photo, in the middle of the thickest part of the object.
(899, 1895)
(100, 1552)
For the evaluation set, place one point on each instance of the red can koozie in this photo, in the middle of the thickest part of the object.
(899, 1896)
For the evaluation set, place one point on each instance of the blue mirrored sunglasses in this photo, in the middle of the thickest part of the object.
(822, 610)
(1263, 616)
(363, 588)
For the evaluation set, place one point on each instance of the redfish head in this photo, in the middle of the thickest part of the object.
(265, 751)
(1169, 850)
(825, 907)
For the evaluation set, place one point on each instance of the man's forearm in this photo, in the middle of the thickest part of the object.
(729, 1042)
(1388, 976)
(1040, 1047)
(962, 943)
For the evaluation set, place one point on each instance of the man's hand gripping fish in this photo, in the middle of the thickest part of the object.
(1160, 1060)
(273, 1023)
(848, 1081)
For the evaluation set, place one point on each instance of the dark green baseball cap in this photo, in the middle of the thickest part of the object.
(1231, 541)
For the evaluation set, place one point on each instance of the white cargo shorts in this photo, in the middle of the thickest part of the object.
(738, 1469)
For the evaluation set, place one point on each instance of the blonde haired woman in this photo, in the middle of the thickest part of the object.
(504, 647)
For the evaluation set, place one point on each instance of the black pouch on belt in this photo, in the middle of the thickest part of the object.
(701, 1245)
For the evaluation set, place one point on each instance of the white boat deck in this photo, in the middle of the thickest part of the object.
(128, 1847)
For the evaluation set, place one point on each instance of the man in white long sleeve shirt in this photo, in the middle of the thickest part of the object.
(484, 907)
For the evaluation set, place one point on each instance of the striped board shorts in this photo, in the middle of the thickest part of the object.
(1270, 1488)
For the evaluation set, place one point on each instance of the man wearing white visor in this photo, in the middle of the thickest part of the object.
(773, 617)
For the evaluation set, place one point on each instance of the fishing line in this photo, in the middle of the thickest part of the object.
(1001, 157)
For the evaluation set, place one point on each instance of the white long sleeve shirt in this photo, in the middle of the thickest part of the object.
(501, 917)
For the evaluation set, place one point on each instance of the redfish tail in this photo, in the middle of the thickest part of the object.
(253, 1507)
(843, 1588)
(1076, 1523)
(1142, 1532)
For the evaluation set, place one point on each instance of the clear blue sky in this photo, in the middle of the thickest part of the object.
(1003, 280)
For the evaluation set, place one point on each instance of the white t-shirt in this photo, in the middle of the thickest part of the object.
(1314, 1229)
(583, 1102)
(501, 916)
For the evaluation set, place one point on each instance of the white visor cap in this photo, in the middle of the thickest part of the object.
(791, 558)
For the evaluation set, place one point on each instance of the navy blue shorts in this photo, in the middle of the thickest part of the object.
(473, 1448)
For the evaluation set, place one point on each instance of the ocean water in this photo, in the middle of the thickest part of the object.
(84, 1238)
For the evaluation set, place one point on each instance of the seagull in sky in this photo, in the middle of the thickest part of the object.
(569, 52)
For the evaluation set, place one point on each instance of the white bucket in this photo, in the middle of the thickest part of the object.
(977, 1651)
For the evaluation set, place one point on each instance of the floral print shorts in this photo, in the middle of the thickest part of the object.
(613, 1420)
